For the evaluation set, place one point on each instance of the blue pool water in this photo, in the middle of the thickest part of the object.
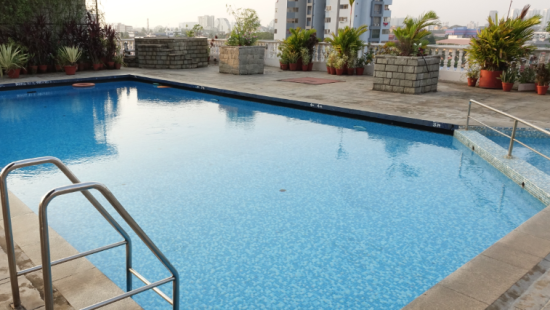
(541, 144)
(260, 206)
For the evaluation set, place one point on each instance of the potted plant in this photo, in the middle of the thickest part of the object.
(11, 60)
(351, 66)
(283, 59)
(306, 59)
(526, 79)
(69, 56)
(293, 60)
(360, 64)
(331, 62)
(408, 55)
(340, 64)
(119, 61)
(508, 78)
(472, 74)
(543, 78)
(301, 38)
(96, 64)
(500, 43)
(347, 42)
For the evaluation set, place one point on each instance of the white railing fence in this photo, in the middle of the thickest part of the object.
(453, 65)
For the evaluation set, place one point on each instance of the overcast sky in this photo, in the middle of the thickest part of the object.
(172, 12)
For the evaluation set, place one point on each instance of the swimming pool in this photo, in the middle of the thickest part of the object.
(540, 143)
(260, 206)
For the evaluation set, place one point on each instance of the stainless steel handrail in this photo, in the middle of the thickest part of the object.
(45, 246)
(4, 200)
(514, 129)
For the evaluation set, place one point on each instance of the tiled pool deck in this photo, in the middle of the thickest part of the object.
(495, 279)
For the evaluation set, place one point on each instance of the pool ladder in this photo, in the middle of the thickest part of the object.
(84, 188)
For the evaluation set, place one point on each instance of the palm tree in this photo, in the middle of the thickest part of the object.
(414, 32)
(351, 2)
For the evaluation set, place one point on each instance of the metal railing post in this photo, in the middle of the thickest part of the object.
(468, 117)
(512, 139)
(12, 264)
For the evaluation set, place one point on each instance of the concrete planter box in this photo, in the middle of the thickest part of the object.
(527, 87)
(408, 75)
(242, 60)
(369, 70)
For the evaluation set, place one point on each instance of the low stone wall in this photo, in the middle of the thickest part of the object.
(242, 60)
(131, 61)
(172, 53)
(409, 75)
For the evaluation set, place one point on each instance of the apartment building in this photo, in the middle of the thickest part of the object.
(327, 16)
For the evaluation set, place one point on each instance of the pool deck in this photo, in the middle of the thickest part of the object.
(514, 273)
(448, 105)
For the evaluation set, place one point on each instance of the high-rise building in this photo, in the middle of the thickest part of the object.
(327, 16)
(545, 16)
(471, 25)
(493, 15)
(206, 21)
(515, 13)
(532, 12)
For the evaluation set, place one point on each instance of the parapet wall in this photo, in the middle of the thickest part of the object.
(171, 53)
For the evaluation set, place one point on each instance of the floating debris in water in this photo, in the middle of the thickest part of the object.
(359, 128)
(215, 100)
(282, 190)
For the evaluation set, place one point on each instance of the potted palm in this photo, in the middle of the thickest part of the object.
(347, 42)
(508, 78)
(331, 62)
(543, 78)
(299, 39)
(119, 61)
(69, 57)
(293, 60)
(403, 66)
(306, 59)
(526, 79)
(283, 59)
(11, 60)
(501, 43)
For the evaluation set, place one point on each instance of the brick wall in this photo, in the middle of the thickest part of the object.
(409, 75)
(242, 60)
(172, 53)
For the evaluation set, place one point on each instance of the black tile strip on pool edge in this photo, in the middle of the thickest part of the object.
(444, 128)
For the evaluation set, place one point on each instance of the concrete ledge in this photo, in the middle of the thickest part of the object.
(77, 283)
(534, 181)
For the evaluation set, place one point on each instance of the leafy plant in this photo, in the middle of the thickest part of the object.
(283, 56)
(341, 62)
(411, 39)
(69, 55)
(508, 76)
(331, 58)
(503, 41)
(300, 38)
(347, 41)
(11, 58)
(293, 57)
(306, 57)
(543, 75)
(246, 24)
(473, 71)
(111, 45)
(527, 75)
(119, 59)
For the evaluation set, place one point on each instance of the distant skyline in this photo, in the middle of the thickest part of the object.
(171, 13)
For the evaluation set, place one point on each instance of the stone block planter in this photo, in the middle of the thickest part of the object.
(242, 60)
(171, 53)
(408, 75)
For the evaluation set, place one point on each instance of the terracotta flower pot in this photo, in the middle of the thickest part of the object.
(43, 68)
(101, 66)
(14, 73)
(58, 68)
(70, 70)
(507, 86)
(96, 67)
(293, 67)
(332, 71)
(541, 90)
(299, 63)
(51, 68)
(340, 71)
(472, 82)
(328, 69)
(33, 69)
(310, 66)
(284, 67)
(489, 79)
(351, 71)
(111, 64)
(117, 66)
(305, 67)
(360, 70)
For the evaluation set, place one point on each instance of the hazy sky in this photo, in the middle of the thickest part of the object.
(172, 12)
